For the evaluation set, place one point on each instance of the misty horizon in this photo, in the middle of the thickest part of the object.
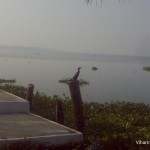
(118, 28)
(38, 53)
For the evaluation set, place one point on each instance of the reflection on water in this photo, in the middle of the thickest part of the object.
(112, 81)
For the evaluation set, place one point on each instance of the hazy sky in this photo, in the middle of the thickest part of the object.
(72, 25)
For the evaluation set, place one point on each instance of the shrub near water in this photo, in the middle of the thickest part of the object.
(114, 125)
(118, 123)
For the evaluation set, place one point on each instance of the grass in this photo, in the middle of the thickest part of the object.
(109, 126)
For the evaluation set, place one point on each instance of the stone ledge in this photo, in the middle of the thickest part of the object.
(10, 103)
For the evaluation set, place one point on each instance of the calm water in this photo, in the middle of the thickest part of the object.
(114, 79)
(100, 27)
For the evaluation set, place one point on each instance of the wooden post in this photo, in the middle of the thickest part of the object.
(59, 112)
(77, 105)
(30, 94)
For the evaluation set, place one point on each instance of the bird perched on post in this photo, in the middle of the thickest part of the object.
(75, 77)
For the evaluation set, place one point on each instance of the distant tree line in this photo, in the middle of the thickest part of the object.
(101, 1)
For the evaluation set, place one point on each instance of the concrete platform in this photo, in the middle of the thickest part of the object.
(10, 103)
(17, 124)
(14, 127)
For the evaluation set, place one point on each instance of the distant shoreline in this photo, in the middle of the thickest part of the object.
(146, 68)
(38, 53)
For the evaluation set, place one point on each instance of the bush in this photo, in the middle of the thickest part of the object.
(114, 125)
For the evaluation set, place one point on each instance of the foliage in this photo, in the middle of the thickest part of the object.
(4, 81)
(82, 82)
(109, 126)
(18, 90)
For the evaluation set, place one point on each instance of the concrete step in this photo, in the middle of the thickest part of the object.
(14, 127)
(10, 103)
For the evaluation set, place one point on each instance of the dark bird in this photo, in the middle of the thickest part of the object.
(75, 77)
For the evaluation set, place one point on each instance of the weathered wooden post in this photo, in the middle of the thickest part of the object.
(30, 94)
(59, 112)
(77, 104)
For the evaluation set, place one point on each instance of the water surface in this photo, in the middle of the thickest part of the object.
(114, 79)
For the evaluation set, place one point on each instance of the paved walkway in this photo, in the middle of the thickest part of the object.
(7, 97)
(10, 103)
(29, 125)
(19, 126)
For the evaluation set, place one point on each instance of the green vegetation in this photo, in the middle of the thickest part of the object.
(146, 68)
(82, 82)
(3, 81)
(94, 68)
(111, 126)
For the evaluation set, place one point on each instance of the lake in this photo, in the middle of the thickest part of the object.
(117, 77)
(42, 42)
